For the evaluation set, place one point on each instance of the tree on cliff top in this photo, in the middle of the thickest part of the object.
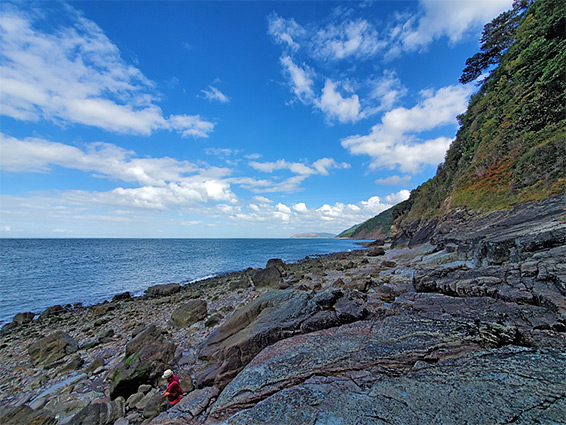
(498, 35)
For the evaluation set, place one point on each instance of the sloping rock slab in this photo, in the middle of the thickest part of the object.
(507, 385)
(274, 316)
(101, 412)
(51, 348)
(190, 406)
(527, 283)
(25, 415)
(388, 347)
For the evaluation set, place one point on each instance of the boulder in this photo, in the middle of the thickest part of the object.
(100, 412)
(213, 320)
(121, 297)
(95, 364)
(276, 262)
(189, 313)
(134, 399)
(146, 357)
(26, 415)
(270, 277)
(242, 283)
(99, 310)
(142, 402)
(376, 252)
(50, 311)
(163, 290)
(65, 406)
(155, 405)
(71, 365)
(52, 348)
(22, 318)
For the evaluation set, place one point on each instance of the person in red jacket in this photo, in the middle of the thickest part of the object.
(174, 391)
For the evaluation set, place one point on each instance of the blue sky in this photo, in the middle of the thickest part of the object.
(224, 119)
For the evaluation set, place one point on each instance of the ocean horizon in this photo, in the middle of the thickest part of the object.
(36, 273)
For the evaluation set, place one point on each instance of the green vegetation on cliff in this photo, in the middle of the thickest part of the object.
(372, 228)
(511, 146)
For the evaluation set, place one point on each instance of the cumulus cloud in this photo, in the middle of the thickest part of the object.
(392, 143)
(76, 75)
(337, 107)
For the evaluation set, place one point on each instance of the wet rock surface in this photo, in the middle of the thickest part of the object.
(466, 326)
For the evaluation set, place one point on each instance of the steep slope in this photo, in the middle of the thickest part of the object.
(511, 146)
(373, 228)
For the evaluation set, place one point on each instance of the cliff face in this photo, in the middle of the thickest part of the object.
(511, 147)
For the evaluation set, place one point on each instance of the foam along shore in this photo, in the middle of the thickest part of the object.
(381, 334)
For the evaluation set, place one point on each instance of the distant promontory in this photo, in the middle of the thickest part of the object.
(313, 236)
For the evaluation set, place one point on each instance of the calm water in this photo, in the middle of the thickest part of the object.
(38, 273)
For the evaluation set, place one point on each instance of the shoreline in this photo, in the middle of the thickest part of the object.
(184, 271)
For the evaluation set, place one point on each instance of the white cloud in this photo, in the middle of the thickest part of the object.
(284, 31)
(337, 107)
(345, 39)
(330, 101)
(395, 198)
(387, 90)
(290, 184)
(163, 181)
(75, 75)
(392, 143)
(322, 62)
(321, 166)
(301, 207)
(394, 180)
(222, 152)
(301, 79)
(262, 200)
(449, 18)
(213, 94)
(333, 218)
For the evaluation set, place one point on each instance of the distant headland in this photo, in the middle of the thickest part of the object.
(313, 236)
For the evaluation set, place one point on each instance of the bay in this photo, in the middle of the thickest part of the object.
(38, 273)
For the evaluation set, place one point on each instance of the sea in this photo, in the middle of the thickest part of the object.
(38, 273)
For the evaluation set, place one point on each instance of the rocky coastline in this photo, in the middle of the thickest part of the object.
(463, 320)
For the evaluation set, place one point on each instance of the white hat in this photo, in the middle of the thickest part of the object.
(167, 373)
